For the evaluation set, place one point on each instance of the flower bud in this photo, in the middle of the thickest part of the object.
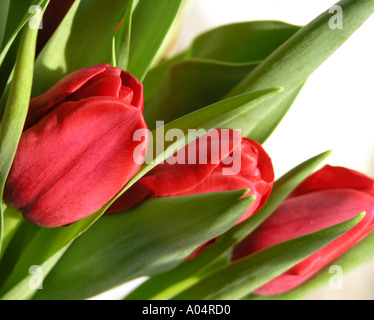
(328, 197)
(221, 160)
(76, 152)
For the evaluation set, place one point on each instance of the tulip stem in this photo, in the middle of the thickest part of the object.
(16, 109)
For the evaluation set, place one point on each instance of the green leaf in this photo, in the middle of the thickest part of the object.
(84, 38)
(22, 237)
(156, 76)
(4, 9)
(291, 64)
(227, 49)
(48, 245)
(262, 121)
(248, 274)
(16, 110)
(242, 42)
(6, 70)
(43, 248)
(125, 246)
(18, 13)
(151, 24)
(168, 284)
(191, 85)
(123, 36)
(356, 256)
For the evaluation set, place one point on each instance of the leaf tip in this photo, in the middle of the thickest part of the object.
(251, 199)
(278, 89)
(356, 220)
(327, 153)
(360, 216)
(244, 192)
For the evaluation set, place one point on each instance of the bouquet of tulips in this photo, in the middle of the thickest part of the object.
(120, 160)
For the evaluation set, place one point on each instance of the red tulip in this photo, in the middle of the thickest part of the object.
(255, 172)
(76, 152)
(328, 197)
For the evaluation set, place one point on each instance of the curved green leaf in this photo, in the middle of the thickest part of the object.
(149, 239)
(242, 42)
(16, 110)
(122, 38)
(151, 25)
(16, 13)
(262, 121)
(19, 15)
(156, 76)
(247, 274)
(4, 9)
(191, 85)
(219, 57)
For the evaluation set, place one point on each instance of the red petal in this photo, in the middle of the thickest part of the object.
(128, 80)
(306, 214)
(168, 180)
(102, 85)
(256, 174)
(100, 80)
(126, 95)
(40, 105)
(335, 178)
(74, 160)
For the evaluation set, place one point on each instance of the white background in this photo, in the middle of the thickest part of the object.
(335, 110)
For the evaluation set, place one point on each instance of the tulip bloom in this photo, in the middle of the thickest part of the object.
(76, 151)
(328, 197)
(224, 161)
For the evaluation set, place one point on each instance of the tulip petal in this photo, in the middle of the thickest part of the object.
(129, 81)
(219, 161)
(330, 177)
(172, 179)
(256, 174)
(306, 214)
(113, 82)
(40, 105)
(99, 86)
(80, 148)
(98, 80)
